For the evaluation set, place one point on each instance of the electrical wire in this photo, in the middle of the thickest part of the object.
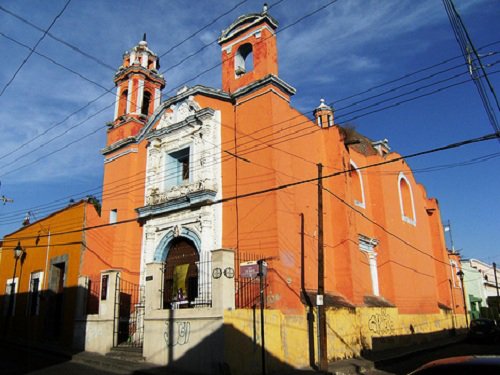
(470, 141)
(9, 82)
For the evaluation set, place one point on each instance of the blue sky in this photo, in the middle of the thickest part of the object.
(49, 154)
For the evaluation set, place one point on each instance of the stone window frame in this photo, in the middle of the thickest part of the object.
(412, 220)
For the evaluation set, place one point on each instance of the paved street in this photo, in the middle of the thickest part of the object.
(17, 361)
(408, 363)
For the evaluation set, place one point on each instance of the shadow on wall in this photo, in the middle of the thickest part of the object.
(225, 352)
(44, 319)
(37, 329)
(402, 344)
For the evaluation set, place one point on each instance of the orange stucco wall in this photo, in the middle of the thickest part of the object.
(118, 246)
(283, 147)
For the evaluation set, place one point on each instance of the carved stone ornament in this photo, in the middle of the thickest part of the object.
(180, 112)
(177, 231)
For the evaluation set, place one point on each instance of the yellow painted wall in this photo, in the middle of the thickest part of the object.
(57, 238)
(350, 332)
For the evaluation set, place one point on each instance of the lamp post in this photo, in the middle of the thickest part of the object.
(18, 253)
(460, 274)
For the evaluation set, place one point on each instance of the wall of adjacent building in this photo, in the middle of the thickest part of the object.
(55, 240)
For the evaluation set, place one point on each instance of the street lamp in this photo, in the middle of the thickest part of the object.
(460, 274)
(18, 254)
(18, 251)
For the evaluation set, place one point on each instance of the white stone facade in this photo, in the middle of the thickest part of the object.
(169, 199)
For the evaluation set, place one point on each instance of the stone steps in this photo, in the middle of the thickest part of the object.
(122, 361)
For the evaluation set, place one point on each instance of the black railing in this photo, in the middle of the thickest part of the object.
(186, 285)
(247, 293)
(129, 327)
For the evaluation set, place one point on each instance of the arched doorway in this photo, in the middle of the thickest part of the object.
(180, 277)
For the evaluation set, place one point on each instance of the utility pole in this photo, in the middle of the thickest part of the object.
(496, 279)
(310, 306)
(447, 228)
(322, 342)
(262, 271)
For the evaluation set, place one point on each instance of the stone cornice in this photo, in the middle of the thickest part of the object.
(196, 119)
(123, 74)
(270, 79)
(115, 146)
(244, 23)
(191, 201)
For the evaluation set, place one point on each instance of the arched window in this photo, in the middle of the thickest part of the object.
(358, 192)
(243, 61)
(146, 101)
(406, 200)
(122, 107)
(180, 277)
(319, 121)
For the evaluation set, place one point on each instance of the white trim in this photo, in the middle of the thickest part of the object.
(367, 246)
(361, 204)
(140, 95)
(109, 160)
(117, 102)
(405, 218)
(35, 275)
(229, 46)
(8, 293)
(129, 96)
(157, 99)
(144, 59)
(454, 276)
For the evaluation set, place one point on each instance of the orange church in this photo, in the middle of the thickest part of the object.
(339, 219)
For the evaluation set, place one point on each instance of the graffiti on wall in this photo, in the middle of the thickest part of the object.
(381, 324)
(177, 333)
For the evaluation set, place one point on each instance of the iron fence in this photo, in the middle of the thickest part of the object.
(129, 326)
(247, 293)
(186, 284)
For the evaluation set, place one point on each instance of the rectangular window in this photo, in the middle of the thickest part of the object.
(113, 216)
(9, 303)
(178, 168)
(34, 296)
(104, 287)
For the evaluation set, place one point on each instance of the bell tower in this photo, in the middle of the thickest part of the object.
(249, 51)
(138, 91)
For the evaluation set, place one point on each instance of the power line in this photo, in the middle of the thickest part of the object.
(57, 39)
(253, 149)
(96, 60)
(43, 157)
(34, 47)
(475, 65)
(292, 24)
(54, 61)
(483, 138)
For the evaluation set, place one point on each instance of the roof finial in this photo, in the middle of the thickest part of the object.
(144, 37)
(264, 8)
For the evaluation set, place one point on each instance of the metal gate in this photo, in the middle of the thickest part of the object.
(129, 314)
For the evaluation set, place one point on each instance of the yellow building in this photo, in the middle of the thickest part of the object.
(39, 270)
